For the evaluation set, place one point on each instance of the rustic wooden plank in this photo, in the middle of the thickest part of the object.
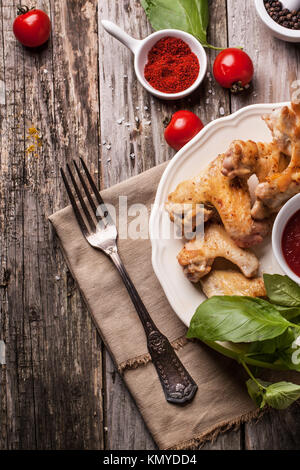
(12, 155)
(277, 430)
(53, 375)
(125, 427)
(277, 65)
(276, 62)
(4, 406)
(230, 440)
(122, 96)
(3, 254)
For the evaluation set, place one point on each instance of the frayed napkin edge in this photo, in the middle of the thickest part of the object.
(144, 359)
(210, 436)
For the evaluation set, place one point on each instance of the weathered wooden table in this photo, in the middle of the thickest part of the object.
(58, 387)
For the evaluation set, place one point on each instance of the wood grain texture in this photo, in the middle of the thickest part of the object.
(58, 388)
(277, 65)
(122, 96)
(51, 386)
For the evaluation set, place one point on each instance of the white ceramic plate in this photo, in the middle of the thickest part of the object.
(214, 139)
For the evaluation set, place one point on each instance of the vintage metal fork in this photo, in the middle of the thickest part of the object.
(176, 382)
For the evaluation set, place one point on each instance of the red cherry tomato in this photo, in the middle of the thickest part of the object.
(183, 126)
(32, 27)
(233, 68)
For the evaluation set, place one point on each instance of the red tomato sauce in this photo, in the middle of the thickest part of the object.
(291, 243)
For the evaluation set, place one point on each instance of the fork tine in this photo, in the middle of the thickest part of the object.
(97, 194)
(77, 213)
(83, 204)
(88, 194)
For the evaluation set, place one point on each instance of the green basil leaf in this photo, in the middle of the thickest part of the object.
(281, 395)
(165, 14)
(256, 392)
(278, 395)
(284, 349)
(236, 319)
(290, 359)
(289, 313)
(191, 16)
(290, 355)
(197, 15)
(282, 290)
(274, 345)
(269, 360)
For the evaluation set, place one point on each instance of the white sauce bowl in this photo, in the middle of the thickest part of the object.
(285, 214)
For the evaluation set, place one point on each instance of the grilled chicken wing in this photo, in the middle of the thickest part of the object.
(244, 159)
(232, 283)
(197, 256)
(229, 198)
(284, 123)
(266, 161)
(223, 191)
(277, 165)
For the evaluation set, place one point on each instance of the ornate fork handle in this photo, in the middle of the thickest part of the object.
(177, 384)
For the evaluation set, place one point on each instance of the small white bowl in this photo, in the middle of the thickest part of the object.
(285, 214)
(276, 29)
(141, 48)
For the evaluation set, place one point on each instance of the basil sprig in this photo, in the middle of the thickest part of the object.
(282, 290)
(191, 16)
(279, 395)
(237, 319)
(263, 334)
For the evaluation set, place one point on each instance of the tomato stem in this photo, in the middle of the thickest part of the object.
(238, 87)
(22, 9)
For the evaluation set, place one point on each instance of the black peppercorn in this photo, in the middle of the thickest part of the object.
(283, 16)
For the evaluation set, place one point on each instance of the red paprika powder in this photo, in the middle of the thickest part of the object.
(172, 66)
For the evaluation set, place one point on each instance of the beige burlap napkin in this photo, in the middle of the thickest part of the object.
(221, 401)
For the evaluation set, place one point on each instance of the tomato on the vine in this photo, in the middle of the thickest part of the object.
(233, 68)
(183, 126)
(32, 27)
